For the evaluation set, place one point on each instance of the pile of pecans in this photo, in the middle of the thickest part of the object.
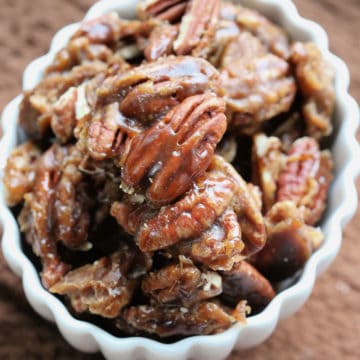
(173, 174)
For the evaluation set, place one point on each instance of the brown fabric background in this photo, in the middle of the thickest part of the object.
(327, 327)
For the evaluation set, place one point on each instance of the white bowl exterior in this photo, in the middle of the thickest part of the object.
(342, 205)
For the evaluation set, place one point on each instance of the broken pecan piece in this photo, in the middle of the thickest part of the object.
(102, 288)
(290, 242)
(19, 172)
(176, 150)
(164, 321)
(181, 283)
(244, 282)
(305, 178)
(315, 78)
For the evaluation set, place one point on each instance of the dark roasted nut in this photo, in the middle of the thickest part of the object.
(257, 85)
(197, 28)
(181, 283)
(305, 178)
(219, 247)
(290, 242)
(268, 160)
(176, 150)
(170, 10)
(200, 72)
(19, 172)
(161, 41)
(272, 36)
(102, 288)
(244, 282)
(36, 109)
(315, 78)
(203, 319)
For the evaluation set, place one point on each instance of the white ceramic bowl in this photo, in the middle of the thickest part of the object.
(342, 205)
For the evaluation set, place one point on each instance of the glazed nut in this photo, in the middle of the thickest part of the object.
(19, 172)
(169, 10)
(176, 150)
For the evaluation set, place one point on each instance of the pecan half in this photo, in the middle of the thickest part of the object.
(19, 172)
(176, 150)
(272, 36)
(316, 82)
(305, 178)
(256, 89)
(197, 28)
(181, 283)
(199, 71)
(164, 321)
(244, 282)
(170, 10)
(290, 242)
(34, 221)
(102, 288)
(188, 217)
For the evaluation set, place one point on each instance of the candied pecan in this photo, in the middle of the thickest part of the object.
(160, 41)
(170, 69)
(181, 283)
(272, 36)
(244, 282)
(177, 150)
(290, 242)
(36, 108)
(315, 78)
(257, 87)
(19, 172)
(104, 29)
(170, 10)
(247, 206)
(105, 135)
(102, 288)
(268, 160)
(219, 247)
(225, 31)
(71, 218)
(305, 178)
(196, 212)
(202, 319)
(34, 218)
(197, 28)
